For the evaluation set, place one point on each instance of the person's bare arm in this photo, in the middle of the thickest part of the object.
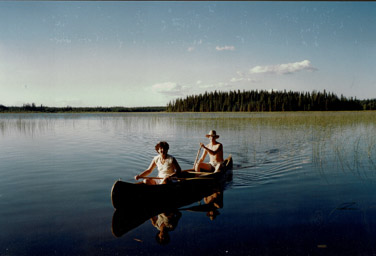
(202, 158)
(214, 152)
(147, 171)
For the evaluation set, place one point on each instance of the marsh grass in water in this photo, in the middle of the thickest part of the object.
(349, 137)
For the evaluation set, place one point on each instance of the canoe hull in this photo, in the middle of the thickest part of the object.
(176, 194)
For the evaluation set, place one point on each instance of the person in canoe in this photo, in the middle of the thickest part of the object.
(215, 151)
(166, 164)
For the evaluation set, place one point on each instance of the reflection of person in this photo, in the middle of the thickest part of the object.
(166, 164)
(165, 222)
(212, 214)
(216, 200)
(215, 151)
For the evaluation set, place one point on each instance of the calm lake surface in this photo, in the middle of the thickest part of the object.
(303, 183)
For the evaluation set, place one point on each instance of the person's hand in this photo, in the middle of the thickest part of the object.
(136, 177)
(171, 176)
(202, 145)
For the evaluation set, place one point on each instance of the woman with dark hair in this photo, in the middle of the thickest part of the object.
(166, 164)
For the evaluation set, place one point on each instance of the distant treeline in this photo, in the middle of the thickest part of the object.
(33, 108)
(261, 101)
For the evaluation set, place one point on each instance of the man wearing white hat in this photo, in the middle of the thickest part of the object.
(215, 151)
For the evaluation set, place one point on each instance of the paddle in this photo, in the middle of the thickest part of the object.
(194, 178)
(153, 178)
(198, 153)
(200, 172)
(197, 178)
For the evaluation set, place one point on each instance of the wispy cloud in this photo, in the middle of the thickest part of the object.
(242, 79)
(168, 88)
(283, 69)
(225, 48)
(195, 44)
(236, 79)
(172, 89)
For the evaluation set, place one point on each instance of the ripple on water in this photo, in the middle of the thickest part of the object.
(273, 166)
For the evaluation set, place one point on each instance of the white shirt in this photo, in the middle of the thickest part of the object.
(165, 169)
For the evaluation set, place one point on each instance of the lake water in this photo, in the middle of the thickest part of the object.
(303, 183)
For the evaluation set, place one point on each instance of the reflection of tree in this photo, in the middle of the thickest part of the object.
(165, 222)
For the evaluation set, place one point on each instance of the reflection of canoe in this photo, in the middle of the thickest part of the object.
(211, 203)
(137, 203)
(126, 219)
(126, 195)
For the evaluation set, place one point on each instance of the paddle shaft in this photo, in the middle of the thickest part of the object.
(199, 173)
(154, 178)
(198, 153)
(193, 178)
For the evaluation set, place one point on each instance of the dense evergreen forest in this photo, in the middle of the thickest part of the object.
(261, 101)
(232, 101)
(33, 108)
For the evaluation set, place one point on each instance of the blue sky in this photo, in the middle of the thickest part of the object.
(149, 53)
